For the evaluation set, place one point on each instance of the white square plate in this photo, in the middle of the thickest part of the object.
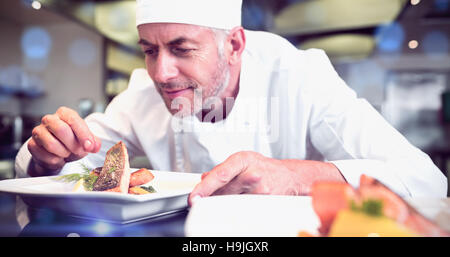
(251, 216)
(172, 190)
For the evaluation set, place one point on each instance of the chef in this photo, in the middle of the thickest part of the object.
(247, 109)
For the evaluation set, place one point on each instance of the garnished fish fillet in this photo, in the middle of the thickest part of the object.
(115, 174)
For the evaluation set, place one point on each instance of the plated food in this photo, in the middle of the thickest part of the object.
(371, 210)
(114, 176)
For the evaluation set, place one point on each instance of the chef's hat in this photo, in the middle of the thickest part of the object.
(221, 14)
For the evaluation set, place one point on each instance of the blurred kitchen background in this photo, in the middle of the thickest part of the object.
(80, 54)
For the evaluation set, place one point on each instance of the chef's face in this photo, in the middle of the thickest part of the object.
(185, 64)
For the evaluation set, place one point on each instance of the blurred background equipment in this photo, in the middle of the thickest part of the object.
(80, 53)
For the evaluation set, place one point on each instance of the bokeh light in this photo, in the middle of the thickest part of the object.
(101, 228)
(36, 5)
(390, 37)
(413, 44)
(36, 42)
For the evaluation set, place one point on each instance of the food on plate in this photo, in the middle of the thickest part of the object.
(371, 210)
(141, 190)
(140, 177)
(349, 223)
(113, 176)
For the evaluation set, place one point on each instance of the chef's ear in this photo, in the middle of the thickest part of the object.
(235, 45)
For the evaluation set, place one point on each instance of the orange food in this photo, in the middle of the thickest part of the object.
(305, 234)
(350, 223)
(137, 191)
(398, 209)
(328, 198)
(115, 189)
(331, 198)
(140, 177)
(394, 206)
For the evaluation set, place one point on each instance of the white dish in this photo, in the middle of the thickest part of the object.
(251, 216)
(172, 190)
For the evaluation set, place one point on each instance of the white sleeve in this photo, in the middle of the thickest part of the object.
(351, 134)
(22, 161)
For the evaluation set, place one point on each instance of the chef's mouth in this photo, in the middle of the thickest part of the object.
(177, 92)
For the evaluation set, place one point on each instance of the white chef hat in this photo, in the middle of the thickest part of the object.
(221, 14)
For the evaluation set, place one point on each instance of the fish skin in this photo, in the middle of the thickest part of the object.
(115, 173)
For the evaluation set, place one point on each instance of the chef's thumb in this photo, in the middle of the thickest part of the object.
(193, 198)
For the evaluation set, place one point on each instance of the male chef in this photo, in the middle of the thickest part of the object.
(247, 109)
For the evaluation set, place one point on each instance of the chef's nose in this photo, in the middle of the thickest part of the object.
(165, 68)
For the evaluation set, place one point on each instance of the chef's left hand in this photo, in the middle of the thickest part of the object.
(253, 173)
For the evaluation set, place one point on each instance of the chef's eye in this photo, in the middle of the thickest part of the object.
(180, 51)
(150, 51)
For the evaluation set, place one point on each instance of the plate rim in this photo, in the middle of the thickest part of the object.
(98, 196)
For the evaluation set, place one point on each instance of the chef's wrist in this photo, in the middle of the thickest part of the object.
(333, 172)
(35, 169)
(309, 171)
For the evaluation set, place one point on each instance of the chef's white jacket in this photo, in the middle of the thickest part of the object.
(291, 105)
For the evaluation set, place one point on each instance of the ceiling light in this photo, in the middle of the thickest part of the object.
(415, 2)
(36, 5)
(413, 44)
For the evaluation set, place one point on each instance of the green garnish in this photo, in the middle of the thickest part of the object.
(85, 168)
(371, 207)
(149, 189)
(70, 177)
(89, 182)
(88, 178)
(111, 170)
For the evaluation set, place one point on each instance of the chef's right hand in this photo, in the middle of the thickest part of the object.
(61, 137)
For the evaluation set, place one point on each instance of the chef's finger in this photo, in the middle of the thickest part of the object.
(204, 174)
(219, 176)
(63, 133)
(46, 140)
(79, 127)
(234, 187)
(98, 144)
(74, 157)
(48, 161)
(246, 182)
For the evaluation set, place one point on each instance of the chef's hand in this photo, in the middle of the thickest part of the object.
(253, 173)
(61, 137)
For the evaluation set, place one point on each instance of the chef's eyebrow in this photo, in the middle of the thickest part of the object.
(144, 42)
(178, 41)
(175, 42)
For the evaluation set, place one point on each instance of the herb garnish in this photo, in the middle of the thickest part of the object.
(149, 189)
(88, 178)
(112, 169)
(370, 207)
